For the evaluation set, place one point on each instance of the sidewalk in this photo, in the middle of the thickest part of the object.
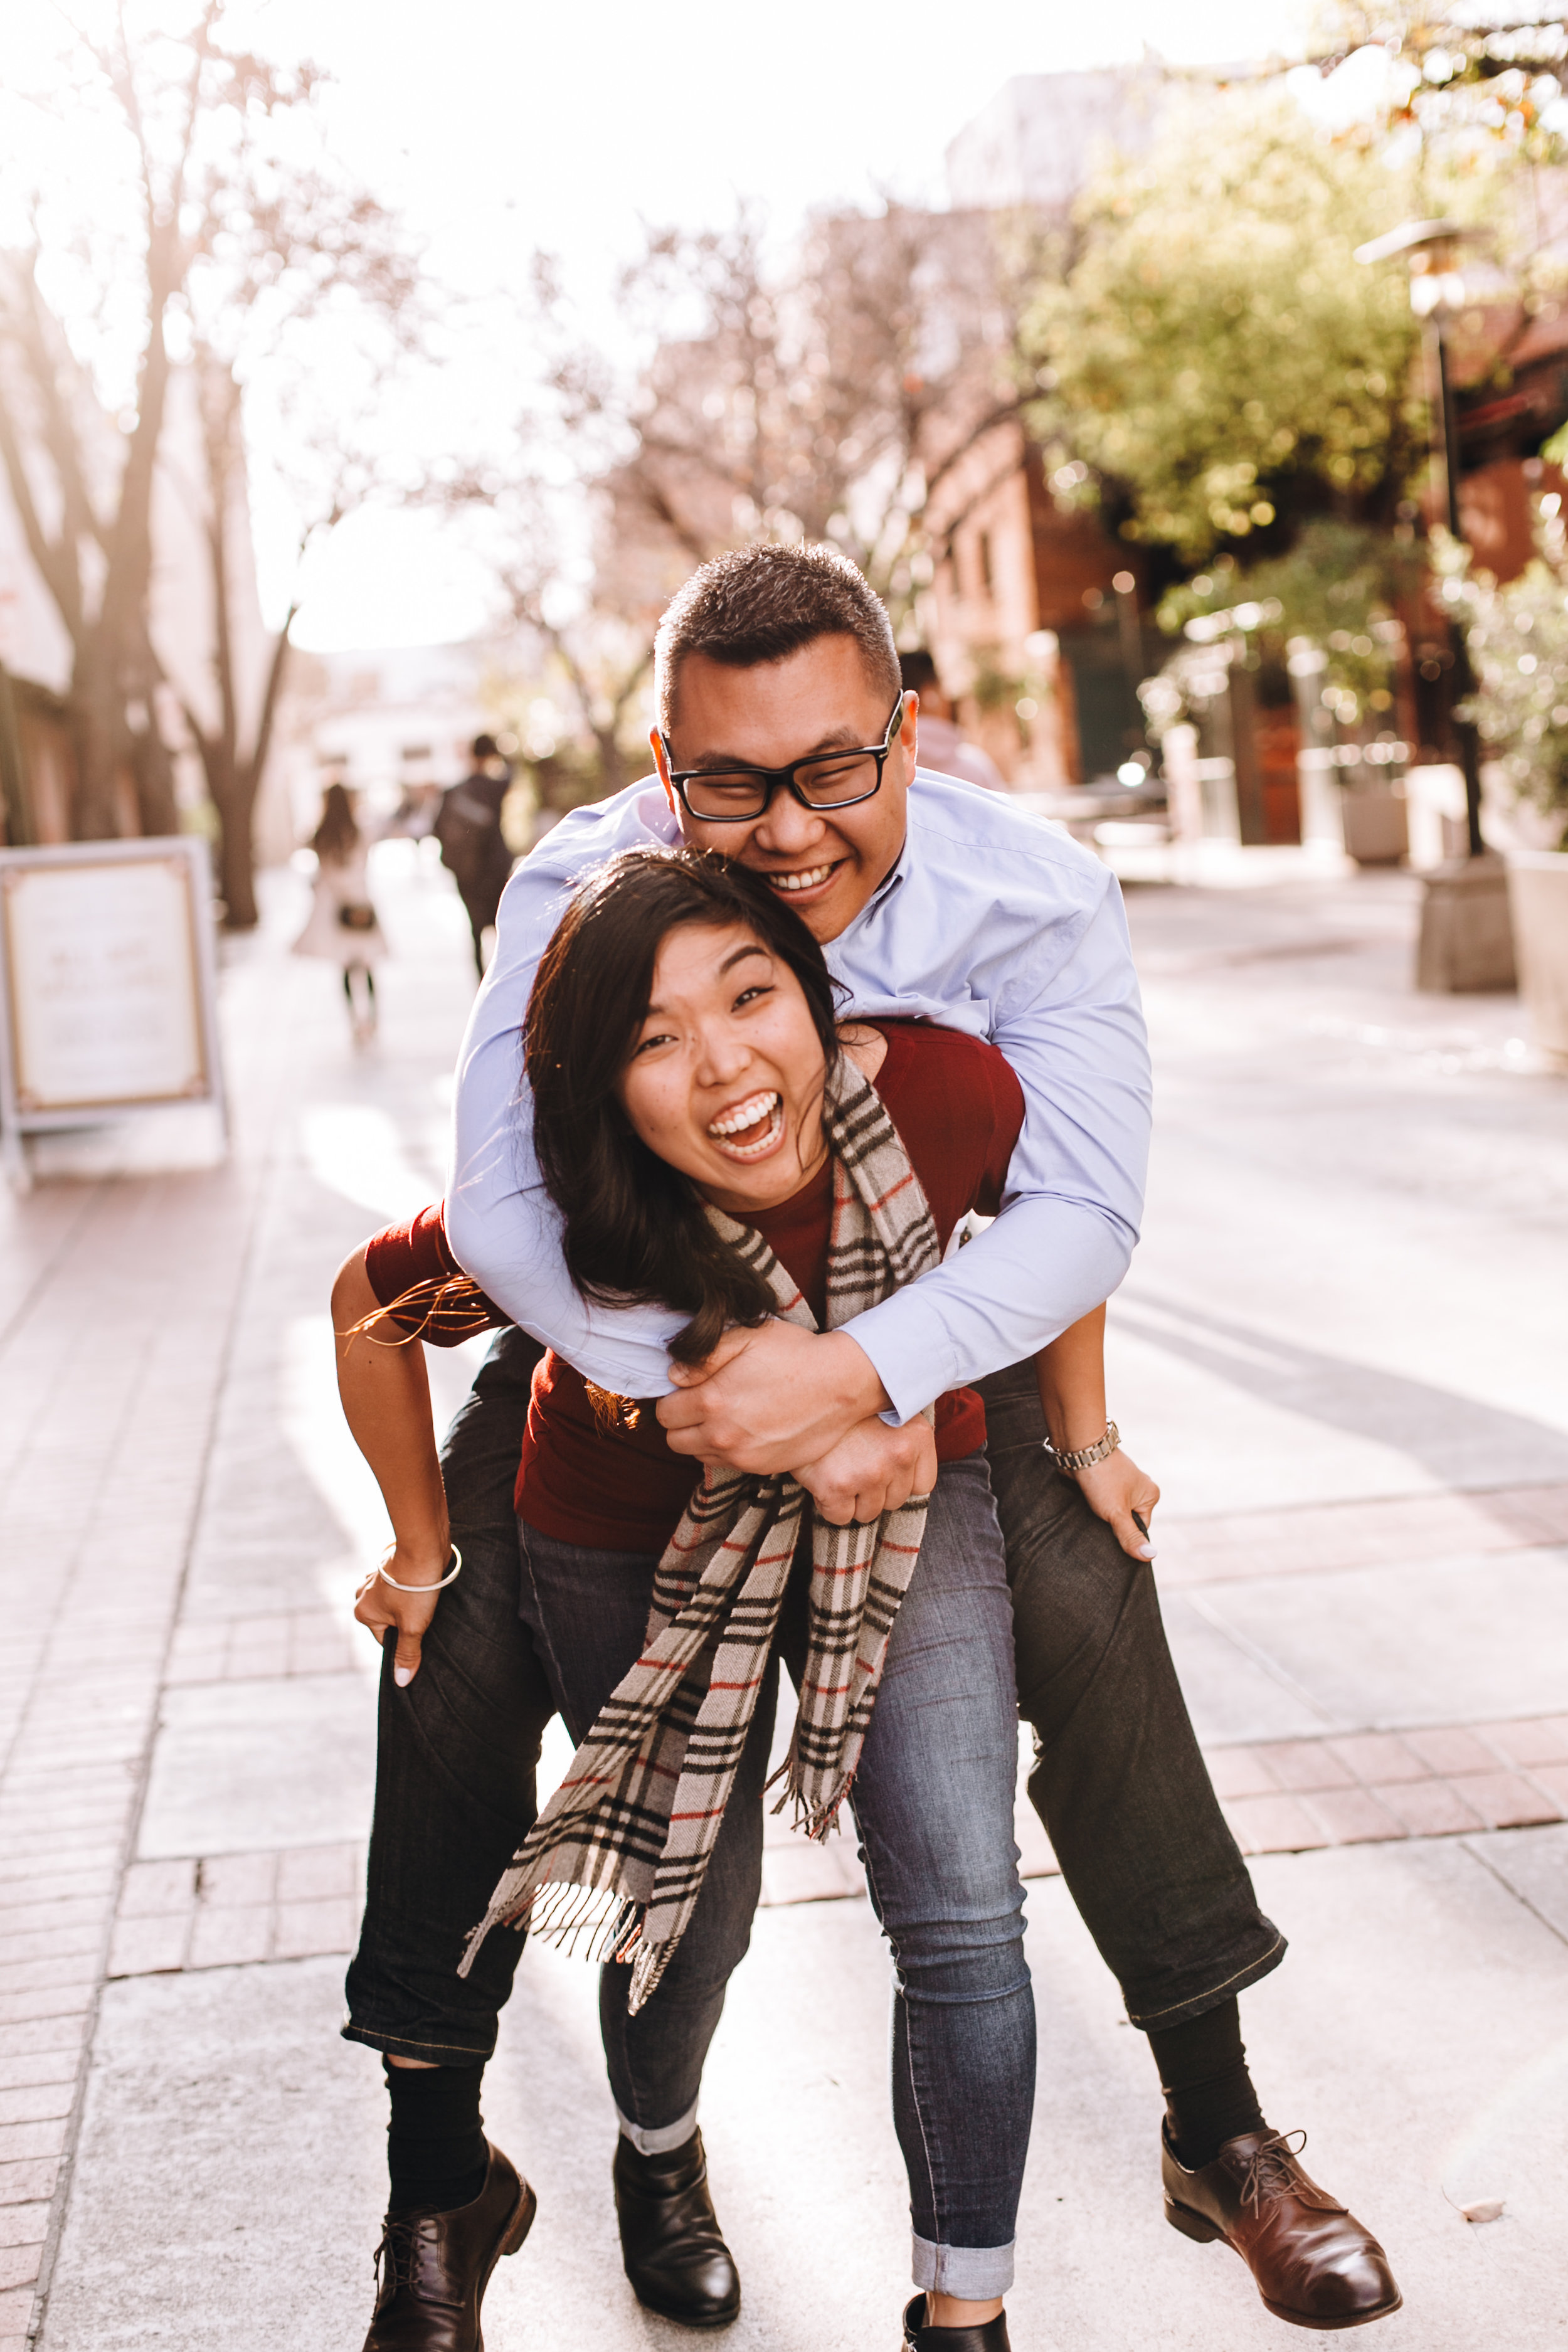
(1341, 1352)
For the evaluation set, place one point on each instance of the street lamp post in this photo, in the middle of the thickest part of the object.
(1465, 942)
(1431, 248)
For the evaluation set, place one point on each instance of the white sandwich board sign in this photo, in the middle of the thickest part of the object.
(108, 990)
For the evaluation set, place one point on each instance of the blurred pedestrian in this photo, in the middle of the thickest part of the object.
(342, 926)
(943, 745)
(473, 847)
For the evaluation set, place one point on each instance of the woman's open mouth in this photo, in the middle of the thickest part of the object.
(749, 1129)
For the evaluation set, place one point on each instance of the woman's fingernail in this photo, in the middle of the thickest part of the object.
(403, 1676)
(1147, 1552)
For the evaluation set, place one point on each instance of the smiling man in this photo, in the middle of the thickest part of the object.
(784, 740)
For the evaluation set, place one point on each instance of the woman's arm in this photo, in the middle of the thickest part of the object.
(385, 1397)
(1071, 1374)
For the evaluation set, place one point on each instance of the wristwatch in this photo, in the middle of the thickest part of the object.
(1087, 1455)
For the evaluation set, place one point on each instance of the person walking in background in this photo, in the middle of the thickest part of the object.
(943, 745)
(342, 926)
(473, 847)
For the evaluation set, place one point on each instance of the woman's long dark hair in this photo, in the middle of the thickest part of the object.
(635, 1227)
(337, 834)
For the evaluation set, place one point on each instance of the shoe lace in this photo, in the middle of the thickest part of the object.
(1272, 2171)
(399, 2238)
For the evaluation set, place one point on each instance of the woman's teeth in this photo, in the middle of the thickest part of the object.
(806, 881)
(752, 1127)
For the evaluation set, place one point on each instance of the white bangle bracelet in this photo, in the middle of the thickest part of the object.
(449, 1577)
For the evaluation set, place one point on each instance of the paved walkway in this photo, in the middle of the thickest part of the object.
(1341, 1352)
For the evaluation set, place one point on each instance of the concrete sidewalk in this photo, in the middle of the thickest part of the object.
(1341, 1352)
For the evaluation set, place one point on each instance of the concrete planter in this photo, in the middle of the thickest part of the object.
(1372, 817)
(1538, 900)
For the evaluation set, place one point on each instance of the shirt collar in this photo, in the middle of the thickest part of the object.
(880, 896)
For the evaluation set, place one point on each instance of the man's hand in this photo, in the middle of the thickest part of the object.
(874, 1469)
(1115, 1489)
(406, 1614)
(768, 1400)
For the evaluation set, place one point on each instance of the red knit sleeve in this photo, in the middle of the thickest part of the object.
(414, 1276)
(1007, 1124)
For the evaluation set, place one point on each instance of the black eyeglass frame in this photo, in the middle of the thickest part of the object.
(774, 778)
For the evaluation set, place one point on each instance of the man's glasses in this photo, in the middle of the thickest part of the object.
(832, 779)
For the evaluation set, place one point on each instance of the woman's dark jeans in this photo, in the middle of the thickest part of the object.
(932, 1803)
(1118, 1780)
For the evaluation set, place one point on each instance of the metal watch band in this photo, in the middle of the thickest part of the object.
(1087, 1455)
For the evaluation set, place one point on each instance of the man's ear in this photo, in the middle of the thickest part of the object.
(908, 732)
(662, 764)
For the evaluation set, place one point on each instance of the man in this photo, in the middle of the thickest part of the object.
(785, 739)
(473, 847)
(944, 744)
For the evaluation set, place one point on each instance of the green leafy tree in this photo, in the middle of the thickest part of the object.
(1516, 636)
(1214, 364)
(1341, 587)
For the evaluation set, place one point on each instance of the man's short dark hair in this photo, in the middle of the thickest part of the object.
(919, 671)
(485, 747)
(763, 602)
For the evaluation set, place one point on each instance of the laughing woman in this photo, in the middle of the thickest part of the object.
(713, 1144)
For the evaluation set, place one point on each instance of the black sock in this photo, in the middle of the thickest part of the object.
(1209, 2097)
(435, 2151)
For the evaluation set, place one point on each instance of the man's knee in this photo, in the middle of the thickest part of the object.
(1076, 1594)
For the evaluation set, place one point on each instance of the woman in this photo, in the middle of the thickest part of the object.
(712, 1144)
(342, 926)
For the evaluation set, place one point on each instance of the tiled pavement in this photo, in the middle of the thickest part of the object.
(1292, 1796)
(183, 1518)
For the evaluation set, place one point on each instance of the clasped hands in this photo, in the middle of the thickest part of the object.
(782, 1398)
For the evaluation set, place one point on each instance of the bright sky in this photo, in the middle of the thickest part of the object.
(500, 126)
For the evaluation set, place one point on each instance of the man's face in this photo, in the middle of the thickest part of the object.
(828, 863)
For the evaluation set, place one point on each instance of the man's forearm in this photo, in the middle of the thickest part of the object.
(1006, 1294)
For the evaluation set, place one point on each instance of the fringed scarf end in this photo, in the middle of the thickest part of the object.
(815, 1821)
(601, 1921)
(648, 1965)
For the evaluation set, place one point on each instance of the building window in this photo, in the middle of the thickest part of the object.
(987, 580)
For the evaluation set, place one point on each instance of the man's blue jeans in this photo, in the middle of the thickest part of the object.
(932, 1803)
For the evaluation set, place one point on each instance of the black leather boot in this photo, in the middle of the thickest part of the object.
(432, 2269)
(675, 2258)
(919, 2337)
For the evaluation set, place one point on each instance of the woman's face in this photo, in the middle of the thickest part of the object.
(725, 1077)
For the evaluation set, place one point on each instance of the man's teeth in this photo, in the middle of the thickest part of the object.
(750, 1113)
(806, 881)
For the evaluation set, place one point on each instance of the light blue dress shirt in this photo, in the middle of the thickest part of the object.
(992, 921)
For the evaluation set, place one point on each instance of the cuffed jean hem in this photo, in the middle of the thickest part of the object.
(1191, 2005)
(403, 2045)
(665, 2140)
(971, 2273)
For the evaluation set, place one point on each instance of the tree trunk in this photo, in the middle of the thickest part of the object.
(153, 771)
(98, 726)
(234, 797)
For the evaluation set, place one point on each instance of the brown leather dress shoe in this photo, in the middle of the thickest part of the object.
(1314, 2264)
(432, 2269)
(919, 2337)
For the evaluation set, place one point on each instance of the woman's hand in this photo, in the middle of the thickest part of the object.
(1115, 1489)
(406, 1614)
(874, 1469)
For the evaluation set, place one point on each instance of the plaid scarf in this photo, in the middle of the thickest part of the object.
(619, 1853)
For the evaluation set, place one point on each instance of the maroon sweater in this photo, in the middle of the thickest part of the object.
(958, 1109)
